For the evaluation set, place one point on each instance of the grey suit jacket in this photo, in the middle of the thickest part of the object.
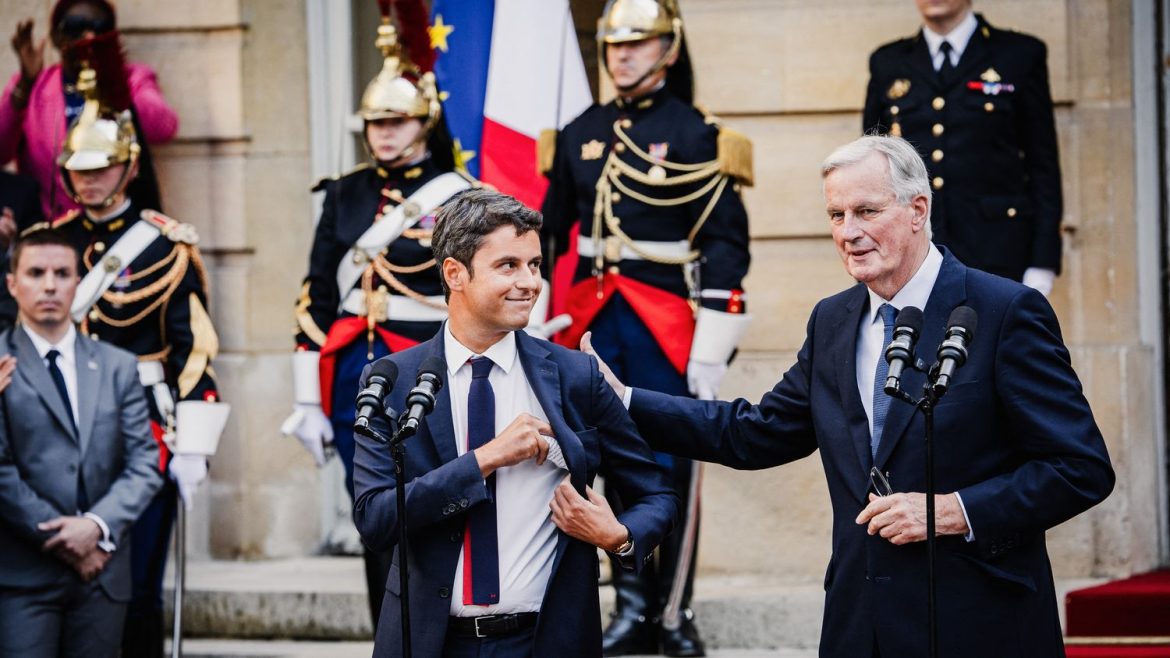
(40, 454)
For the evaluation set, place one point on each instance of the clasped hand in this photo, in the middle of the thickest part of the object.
(521, 440)
(901, 517)
(76, 543)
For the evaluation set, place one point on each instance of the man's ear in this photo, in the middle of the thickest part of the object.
(921, 207)
(455, 274)
(10, 279)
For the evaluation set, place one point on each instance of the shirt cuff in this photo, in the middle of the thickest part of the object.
(105, 543)
(627, 396)
(970, 537)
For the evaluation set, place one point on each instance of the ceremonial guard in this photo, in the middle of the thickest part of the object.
(373, 286)
(663, 250)
(975, 101)
(144, 289)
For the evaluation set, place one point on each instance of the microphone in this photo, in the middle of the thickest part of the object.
(370, 399)
(900, 352)
(952, 353)
(421, 399)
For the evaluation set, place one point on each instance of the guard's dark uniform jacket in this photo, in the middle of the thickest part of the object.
(406, 269)
(989, 142)
(663, 128)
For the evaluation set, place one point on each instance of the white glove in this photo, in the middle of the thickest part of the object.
(545, 330)
(703, 379)
(1040, 279)
(188, 471)
(312, 427)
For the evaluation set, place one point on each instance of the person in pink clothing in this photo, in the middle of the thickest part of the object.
(39, 102)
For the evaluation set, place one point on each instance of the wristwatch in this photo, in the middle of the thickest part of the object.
(627, 547)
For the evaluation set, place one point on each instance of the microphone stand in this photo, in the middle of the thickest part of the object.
(926, 404)
(398, 452)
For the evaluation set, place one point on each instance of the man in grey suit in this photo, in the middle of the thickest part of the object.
(77, 466)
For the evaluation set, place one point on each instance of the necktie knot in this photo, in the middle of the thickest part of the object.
(52, 356)
(888, 313)
(946, 47)
(481, 367)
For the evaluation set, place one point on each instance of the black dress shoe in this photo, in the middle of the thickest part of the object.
(684, 640)
(629, 635)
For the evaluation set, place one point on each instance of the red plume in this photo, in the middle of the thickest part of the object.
(413, 24)
(107, 58)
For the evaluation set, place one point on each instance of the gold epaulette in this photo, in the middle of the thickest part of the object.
(62, 220)
(546, 150)
(172, 229)
(735, 155)
(320, 184)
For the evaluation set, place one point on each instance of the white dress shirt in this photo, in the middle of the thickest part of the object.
(958, 38)
(526, 532)
(871, 336)
(67, 363)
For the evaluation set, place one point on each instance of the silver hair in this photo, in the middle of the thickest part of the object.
(908, 178)
(466, 219)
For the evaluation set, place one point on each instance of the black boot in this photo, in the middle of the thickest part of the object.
(684, 640)
(633, 629)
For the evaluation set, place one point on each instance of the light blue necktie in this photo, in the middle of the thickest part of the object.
(881, 401)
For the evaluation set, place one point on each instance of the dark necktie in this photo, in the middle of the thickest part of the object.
(59, 382)
(881, 401)
(481, 561)
(946, 72)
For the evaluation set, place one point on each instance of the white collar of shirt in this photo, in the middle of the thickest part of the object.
(502, 353)
(117, 212)
(916, 292)
(66, 346)
(958, 38)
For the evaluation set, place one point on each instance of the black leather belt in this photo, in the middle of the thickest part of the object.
(491, 625)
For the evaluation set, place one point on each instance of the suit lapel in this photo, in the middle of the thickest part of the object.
(438, 422)
(32, 367)
(544, 376)
(921, 61)
(845, 346)
(950, 290)
(88, 376)
(975, 55)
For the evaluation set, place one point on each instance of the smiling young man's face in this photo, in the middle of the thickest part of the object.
(500, 288)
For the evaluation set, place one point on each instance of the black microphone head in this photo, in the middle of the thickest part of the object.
(433, 366)
(385, 369)
(965, 318)
(910, 317)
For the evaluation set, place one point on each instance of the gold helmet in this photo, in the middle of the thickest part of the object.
(634, 20)
(399, 90)
(98, 138)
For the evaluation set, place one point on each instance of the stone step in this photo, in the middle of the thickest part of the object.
(322, 601)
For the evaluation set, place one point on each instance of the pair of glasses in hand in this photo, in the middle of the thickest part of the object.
(878, 482)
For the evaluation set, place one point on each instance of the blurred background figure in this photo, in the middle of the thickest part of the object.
(20, 208)
(41, 101)
(663, 252)
(373, 287)
(974, 100)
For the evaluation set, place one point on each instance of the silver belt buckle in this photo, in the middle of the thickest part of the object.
(479, 634)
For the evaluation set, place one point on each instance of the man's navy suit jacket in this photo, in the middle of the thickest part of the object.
(1014, 436)
(592, 429)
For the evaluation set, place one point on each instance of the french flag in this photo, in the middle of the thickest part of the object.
(509, 69)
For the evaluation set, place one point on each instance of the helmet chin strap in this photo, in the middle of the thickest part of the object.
(675, 45)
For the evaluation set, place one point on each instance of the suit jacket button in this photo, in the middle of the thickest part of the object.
(449, 509)
(73, 468)
(444, 593)
(464, 503)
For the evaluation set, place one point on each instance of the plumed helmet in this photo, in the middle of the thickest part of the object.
(99, 137)
(634, 20)
(399, 89)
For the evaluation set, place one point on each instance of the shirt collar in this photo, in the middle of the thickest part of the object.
(65, 347)
(917, 290)
(958, 37)
(502, 353)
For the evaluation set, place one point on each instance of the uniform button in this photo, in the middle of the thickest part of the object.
(456, 537)
(626, 123)
(615, 197)
(464, 503)
(614, 269)
(99, 247)
(936, 129)
(936, 155)
(894, 110)
(938, 103)
(444, 592)
(619, 148)
(937, 183)
(989, 106)
(93, 315)
(1011, 212)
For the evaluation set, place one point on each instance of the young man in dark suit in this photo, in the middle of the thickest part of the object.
(504, 525)
(974, 99)
(1018, 450)
(77, 467)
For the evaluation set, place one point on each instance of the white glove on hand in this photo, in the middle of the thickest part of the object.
(188, 471)
(545, 330)
(1039, 279)
(312, 427)
(703, 379)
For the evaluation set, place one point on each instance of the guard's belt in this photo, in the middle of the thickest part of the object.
(677, 249)
(402, 308)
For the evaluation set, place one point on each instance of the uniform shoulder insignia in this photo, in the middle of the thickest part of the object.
(173, 229)
(63, 219)
(735, 155)
(546, 150)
